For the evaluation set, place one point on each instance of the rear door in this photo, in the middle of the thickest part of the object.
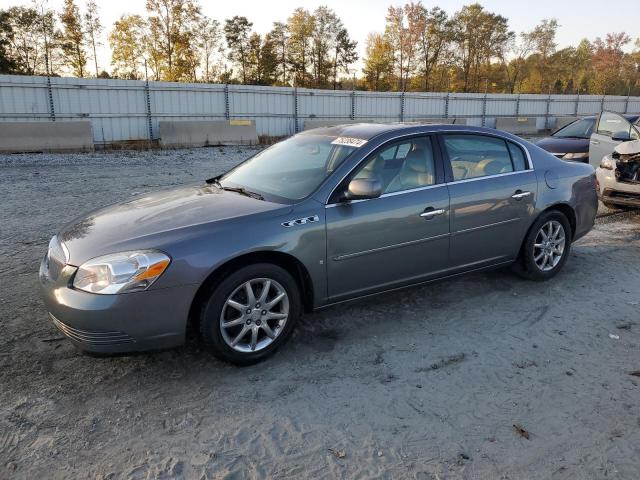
(601, 142)
(492, 191)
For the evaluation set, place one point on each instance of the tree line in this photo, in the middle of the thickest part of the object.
(420, 49)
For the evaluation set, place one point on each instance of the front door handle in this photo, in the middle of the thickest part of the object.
(595, 142)
(519, 195)
(431, 212)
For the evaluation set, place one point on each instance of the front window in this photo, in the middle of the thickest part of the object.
(292, 169)
(578, 129)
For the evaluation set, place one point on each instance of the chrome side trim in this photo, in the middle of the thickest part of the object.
(346, 256)
(482, 227)
(487, 177)
(390, 194)
(402, 192)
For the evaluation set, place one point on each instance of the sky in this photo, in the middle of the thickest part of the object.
(577, 18)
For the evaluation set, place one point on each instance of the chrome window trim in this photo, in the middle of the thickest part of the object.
(435, 132)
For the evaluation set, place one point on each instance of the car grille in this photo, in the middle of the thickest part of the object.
(92, 337)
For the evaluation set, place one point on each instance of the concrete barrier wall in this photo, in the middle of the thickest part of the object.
(45, 136)
(517, 125)
(205, 133)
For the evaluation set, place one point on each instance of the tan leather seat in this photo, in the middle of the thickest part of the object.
(417, 171)
(372, 168)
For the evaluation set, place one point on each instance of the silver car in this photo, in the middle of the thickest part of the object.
(326, 216)
(619, 176)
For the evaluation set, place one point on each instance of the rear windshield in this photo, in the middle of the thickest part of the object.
(293, 168)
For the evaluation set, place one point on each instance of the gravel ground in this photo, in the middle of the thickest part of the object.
(424, 383)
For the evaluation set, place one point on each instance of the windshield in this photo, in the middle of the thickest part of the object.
(291, 169)
(578, 129)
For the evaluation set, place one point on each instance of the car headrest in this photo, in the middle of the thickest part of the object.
(416, 161)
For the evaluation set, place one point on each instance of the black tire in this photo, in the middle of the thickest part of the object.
(212, 309)
(526, 266)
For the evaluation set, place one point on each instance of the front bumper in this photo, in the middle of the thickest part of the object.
(129, 322)
(611, 190)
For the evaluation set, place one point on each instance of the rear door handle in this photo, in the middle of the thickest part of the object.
(519, 195)
(431, 212)
(595, 142)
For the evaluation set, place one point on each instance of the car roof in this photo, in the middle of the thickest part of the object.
(367, 131)
(356, 130)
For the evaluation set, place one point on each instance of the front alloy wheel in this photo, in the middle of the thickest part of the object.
(254, 315)
(250, 313)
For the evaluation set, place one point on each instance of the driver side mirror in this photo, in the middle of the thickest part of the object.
(363, 188)
(621, 136)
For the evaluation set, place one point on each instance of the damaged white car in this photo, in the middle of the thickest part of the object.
(619, 176)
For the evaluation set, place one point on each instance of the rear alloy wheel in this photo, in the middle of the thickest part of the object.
(549, 244)
(250, 313)
(546, 247)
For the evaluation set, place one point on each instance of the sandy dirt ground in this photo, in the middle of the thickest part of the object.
(425, 383)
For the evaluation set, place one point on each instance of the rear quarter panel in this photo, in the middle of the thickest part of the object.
(563, 182)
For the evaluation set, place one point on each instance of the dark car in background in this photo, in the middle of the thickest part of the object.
(571, 142)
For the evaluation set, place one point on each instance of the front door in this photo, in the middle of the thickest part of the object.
(399, 238)
(601, 142)
(492, 190)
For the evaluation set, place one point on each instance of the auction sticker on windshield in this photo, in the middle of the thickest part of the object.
(349, 141)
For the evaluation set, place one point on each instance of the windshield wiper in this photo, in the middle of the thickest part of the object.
(240, 190)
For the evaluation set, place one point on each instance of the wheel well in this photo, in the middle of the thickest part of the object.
(291, 264)
(568, 212)
(563, 208)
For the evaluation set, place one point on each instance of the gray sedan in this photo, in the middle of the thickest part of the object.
(323, 217)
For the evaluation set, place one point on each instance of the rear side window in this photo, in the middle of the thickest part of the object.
(517, 157)
(474, 156)
(611, 123)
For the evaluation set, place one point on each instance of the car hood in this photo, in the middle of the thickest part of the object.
(564, 145)
(149, 220)
(628, 148)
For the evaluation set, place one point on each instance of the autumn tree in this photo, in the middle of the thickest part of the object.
(127, 42)
(261, 60)
(73, 40)
(279, 38)
(378, 62)
(609, 61)
(478, 36)
(7, 63)
(237, 31)
(301, 26)
(171, 38)
(543, 37)
(93, 28)
(24, 41)
(344, 54)
(432, 28)
(209, 40)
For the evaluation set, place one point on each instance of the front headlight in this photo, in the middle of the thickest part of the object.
(575, 156)
(608, 163)
(121, 272)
